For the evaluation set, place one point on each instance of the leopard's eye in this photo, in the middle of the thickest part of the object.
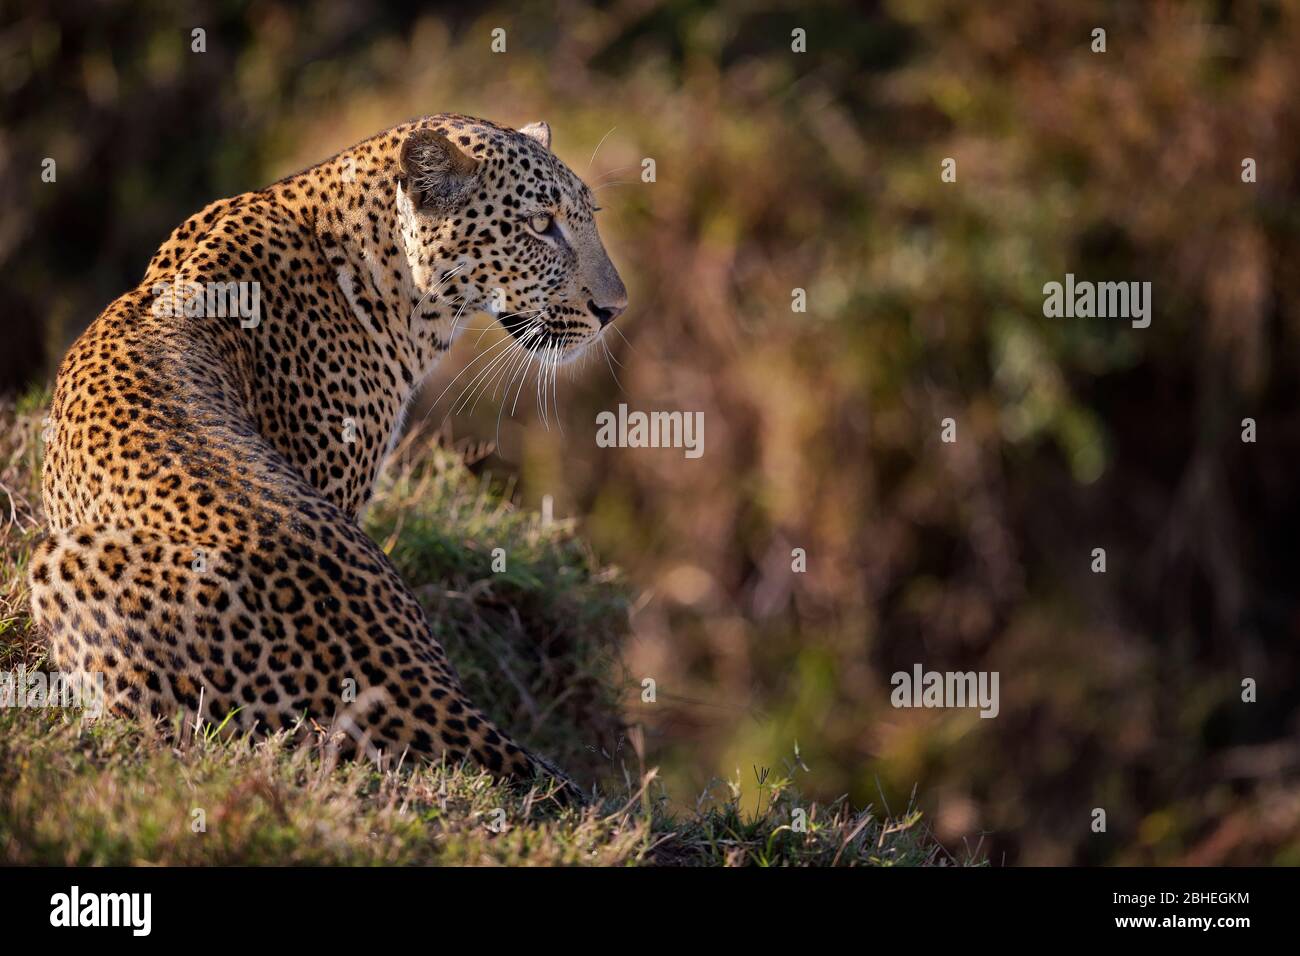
(540, 223)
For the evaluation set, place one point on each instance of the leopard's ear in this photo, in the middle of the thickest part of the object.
(436, 174)
(538, 131)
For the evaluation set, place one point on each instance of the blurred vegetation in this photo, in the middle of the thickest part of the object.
(820, 171)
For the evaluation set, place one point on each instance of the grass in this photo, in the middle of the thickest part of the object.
(537, 646)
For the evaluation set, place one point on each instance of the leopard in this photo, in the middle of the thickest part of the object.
(206, 468)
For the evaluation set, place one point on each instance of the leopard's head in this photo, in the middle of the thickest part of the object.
(495, 222)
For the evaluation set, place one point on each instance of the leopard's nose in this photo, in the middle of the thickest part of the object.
(606, 314)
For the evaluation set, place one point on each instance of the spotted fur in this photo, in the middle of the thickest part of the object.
(200, 487)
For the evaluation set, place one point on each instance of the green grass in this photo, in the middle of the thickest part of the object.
(537, 646)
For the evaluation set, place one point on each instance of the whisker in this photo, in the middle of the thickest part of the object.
(489, 376)
(510, 315)
(481, 355)
(555, 388)
(507, 371)
(522, 379)
(481, 376)
(604, 177)
(597, 149)
(610, 353)
(500, 363)
(611, 367)
(540, 392)
(623, 337)
(434, 290)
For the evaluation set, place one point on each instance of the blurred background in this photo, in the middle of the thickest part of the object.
(778, 170)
